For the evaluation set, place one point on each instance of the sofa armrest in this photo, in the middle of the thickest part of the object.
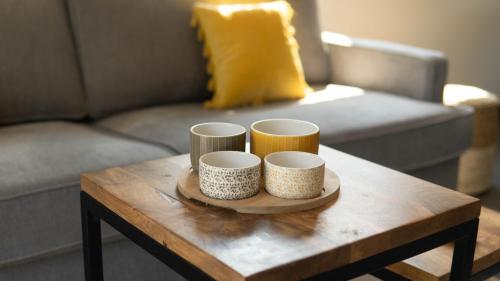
(388, 67)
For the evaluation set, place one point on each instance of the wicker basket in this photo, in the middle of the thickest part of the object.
(476, 169)
(476, 164)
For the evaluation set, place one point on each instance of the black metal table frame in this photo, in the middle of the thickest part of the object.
(92, 211)
(387, 275)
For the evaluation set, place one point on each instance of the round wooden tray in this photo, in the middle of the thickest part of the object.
(263, 202)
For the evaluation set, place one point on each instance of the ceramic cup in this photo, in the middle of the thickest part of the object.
(229, 175)
(210, 137)
(273, 135)
(294, 174)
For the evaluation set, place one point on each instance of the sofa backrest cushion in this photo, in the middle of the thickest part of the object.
(142, 53)
(39, 73)
(137, 53)
(308, 34)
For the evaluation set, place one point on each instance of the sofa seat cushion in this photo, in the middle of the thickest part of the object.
(397, 132)
(40, 165)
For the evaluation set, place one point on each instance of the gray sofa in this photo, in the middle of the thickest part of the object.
(90, 84)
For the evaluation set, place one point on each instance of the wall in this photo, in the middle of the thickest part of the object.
(468, 31)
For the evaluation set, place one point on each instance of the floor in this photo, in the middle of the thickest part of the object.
(491, 199)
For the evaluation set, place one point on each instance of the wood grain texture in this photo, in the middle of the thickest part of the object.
(378, 209)
(436, 264)
(262, 203)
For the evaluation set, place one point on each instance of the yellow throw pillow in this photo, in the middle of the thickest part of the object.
(251, 52)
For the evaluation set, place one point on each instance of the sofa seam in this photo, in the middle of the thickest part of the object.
(42, 190)
(115, 133)
(77, 55)
(55, 251)
(72, 117)
(71, 17)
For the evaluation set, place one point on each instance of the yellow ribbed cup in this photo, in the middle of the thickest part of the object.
(273, 135)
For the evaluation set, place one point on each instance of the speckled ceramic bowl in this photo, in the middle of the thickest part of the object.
(294, 174)
(229, 175)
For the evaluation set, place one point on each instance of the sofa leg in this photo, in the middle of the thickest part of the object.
(92, 247)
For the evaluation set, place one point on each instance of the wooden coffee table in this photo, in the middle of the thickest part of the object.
(380, 217)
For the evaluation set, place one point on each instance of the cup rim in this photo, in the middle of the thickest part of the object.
(302, 153)
(316, 128)
(240, 154)
(193, 128)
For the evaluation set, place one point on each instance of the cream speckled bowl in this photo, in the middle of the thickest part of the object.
(229, 175)
(294, 174)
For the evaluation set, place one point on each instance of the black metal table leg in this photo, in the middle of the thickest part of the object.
(463, 254)
(92, 247)
(93, 212)
(463, 257)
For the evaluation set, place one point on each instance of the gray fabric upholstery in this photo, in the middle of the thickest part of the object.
(444, 173)
(141, 53)
(39, 76)
(388, 67)
(123, 261)
(394, 131)
(313, 53)
(40, 166)
(137, 53)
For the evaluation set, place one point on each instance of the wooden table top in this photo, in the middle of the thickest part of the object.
(377, 209)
